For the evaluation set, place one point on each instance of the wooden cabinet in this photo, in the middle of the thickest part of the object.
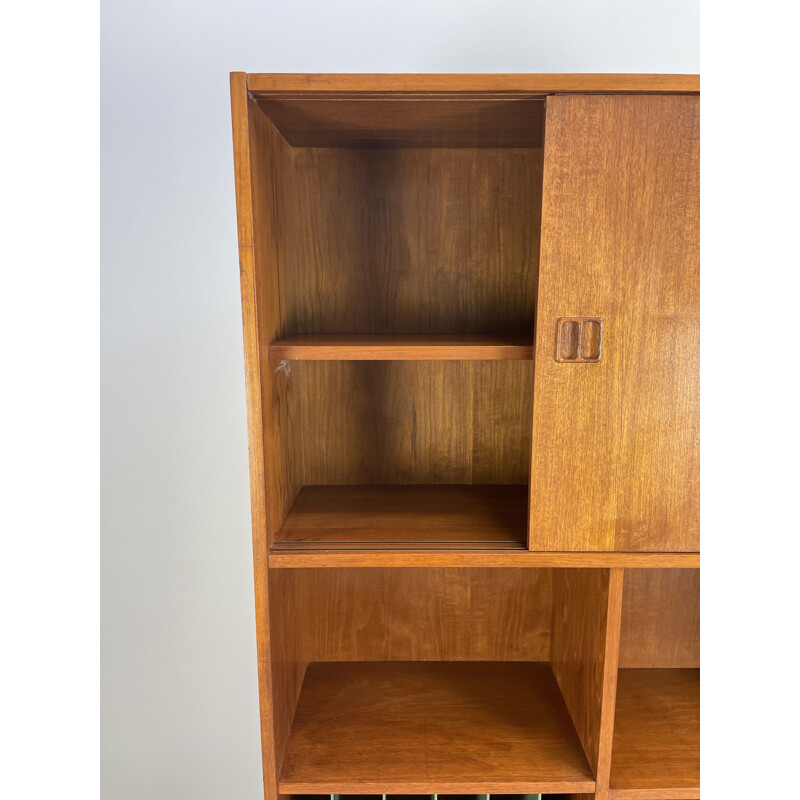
(470, 311)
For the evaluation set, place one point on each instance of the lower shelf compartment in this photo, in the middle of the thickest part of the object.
(435, 516)
(432, 727)
(656, 749)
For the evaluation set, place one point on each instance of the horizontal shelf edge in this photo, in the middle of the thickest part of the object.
(327, 84)
(279, 559)
(401, 348)
(655, 794)
(434, 787)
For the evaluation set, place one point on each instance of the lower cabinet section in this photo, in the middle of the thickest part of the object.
(424, 728)
(476, 684)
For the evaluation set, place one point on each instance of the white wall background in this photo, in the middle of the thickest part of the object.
(179, 695)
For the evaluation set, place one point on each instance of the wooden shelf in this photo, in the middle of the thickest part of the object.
(403, 348)
(424, 727)
(281, 557)
(396, 516)
(656, 749)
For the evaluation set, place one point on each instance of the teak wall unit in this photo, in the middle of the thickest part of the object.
(471, 341)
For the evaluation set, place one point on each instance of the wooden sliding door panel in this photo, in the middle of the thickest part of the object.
(615, 459)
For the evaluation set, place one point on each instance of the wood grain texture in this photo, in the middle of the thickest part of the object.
(451, 558)
(615, 444)
(584, 652)
(279, 430)
(408, 241)
(660, 619)
(331, 347)
(527, 83)
(407, 122)
(287, 652)
(251, 210)
(424, 614)
(327, 516)
(433, 727)
(657, 735)
(411, 422)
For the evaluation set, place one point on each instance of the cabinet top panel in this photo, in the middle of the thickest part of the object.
(501, 83)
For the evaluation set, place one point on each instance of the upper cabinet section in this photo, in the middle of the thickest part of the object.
(615, 452)
(472, 286)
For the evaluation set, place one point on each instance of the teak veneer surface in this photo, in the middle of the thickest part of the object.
(407, 422)
(431, 614)
(411, 557)
(499, 83)
(260, 323)
(660, 618)
(397, 348)
(407, 122)
(584, 652)
(615, 453)
(419, 241)
(432, 727)
(656, 750)
(326, 516)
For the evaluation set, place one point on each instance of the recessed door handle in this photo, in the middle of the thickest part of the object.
(579, 340)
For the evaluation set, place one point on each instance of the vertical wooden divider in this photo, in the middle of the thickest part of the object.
(584, 653)
(280, 668)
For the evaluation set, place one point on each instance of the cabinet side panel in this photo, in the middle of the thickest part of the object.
(281, 458)
(268, 157)
(584, 653)
(615, 461)
(258, 504)
(288, 661)
(660, 619)
(280, 669)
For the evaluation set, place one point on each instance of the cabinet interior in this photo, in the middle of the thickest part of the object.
(411, 226)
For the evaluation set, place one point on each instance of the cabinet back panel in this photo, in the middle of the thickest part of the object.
(408, 240)
(427, 614)
(660, 619)
(361, 422)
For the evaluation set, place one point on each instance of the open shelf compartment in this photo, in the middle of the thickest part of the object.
(403, 454)
(452, 680)
(397, 516)
(424, 727)
(656, 743)
(396, 259)
(657, 735)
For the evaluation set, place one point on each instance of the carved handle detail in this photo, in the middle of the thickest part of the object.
(579, 340)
